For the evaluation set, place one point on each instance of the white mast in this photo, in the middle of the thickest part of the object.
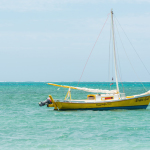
(114, 51)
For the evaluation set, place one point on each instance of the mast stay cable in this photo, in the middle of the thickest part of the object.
(129, 59)
(132, 46)
(109, 81)
(118, 64)
(92, 49)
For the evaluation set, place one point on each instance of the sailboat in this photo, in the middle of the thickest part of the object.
(103, 99)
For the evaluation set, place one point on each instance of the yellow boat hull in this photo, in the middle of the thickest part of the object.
(131, 103)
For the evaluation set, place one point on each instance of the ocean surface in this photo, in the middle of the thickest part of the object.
(25, 125)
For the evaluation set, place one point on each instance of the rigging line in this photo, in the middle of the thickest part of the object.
(112, 62)
(117, 52)
(109, 60)
(133, 47)
(112, 70)
(129, 59)
(93, 49)
(118, 66)
(119, 75)
(120, 78)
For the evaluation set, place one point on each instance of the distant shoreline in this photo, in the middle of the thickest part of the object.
(69, 81)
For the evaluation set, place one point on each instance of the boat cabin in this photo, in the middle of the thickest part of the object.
(102, 97)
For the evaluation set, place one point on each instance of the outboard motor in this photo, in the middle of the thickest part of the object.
(47, 101)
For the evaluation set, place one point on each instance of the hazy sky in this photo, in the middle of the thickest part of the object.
(50, 40)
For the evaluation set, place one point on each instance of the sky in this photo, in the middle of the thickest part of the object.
(51, 40)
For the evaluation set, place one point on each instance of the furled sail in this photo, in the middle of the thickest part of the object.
(86, 89)
(146, 93)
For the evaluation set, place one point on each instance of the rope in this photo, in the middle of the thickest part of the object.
(128, 57)
(133, 47)
(93, 49)
(118, 66)
(109, 81)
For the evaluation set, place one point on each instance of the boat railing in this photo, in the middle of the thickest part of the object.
(122, 95)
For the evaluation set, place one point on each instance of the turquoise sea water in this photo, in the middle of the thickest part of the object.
(25, 125)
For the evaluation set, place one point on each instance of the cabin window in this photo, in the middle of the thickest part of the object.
(91, 97)
(107, 98)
